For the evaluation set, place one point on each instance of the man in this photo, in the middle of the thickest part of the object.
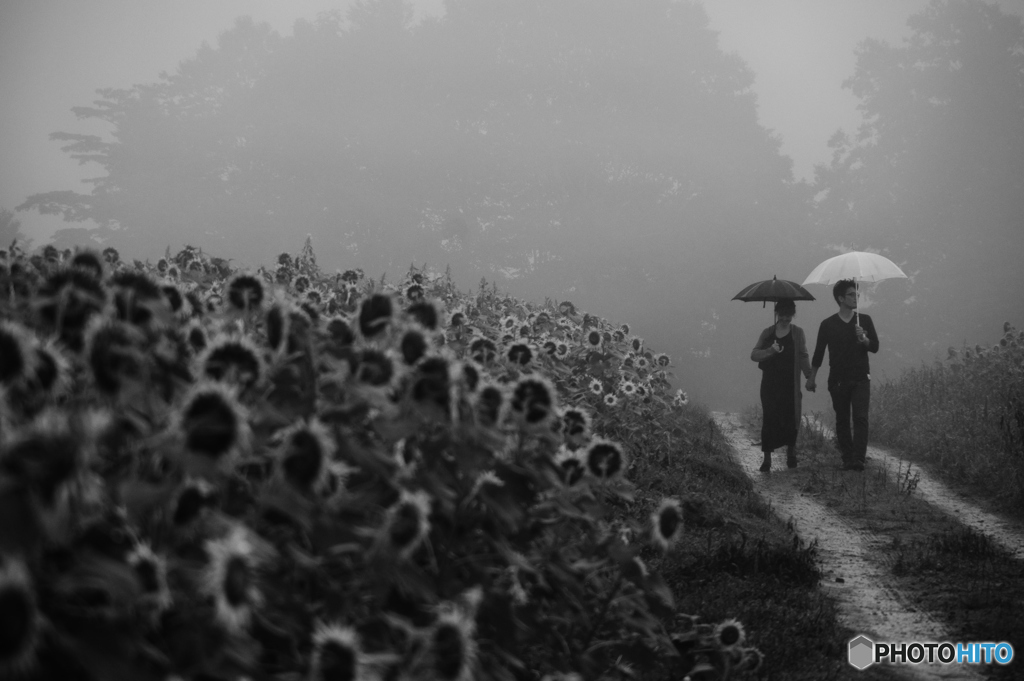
(848, 340)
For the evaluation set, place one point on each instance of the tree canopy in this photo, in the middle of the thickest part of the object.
(935, 174)
(593, 149)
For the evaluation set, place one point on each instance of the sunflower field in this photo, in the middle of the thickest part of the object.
(285, 474)
(964, 414)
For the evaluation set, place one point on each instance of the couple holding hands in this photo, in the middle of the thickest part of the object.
(781, 354)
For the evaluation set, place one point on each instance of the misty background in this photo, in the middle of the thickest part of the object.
(645, 159)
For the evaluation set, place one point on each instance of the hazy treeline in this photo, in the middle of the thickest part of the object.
(604, 151)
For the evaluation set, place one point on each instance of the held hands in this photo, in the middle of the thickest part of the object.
(810, 385)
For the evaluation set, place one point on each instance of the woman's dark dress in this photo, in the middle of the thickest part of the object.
(778, 427)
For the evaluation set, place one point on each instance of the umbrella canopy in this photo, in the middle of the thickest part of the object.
(773, 290)
(856, 265)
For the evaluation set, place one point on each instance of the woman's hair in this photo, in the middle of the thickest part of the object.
(785, 306)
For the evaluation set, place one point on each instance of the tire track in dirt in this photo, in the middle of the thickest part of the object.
(1007, 534)
(866, 595)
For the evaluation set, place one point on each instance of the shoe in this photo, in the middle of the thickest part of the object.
(766, 465)
(790, 458)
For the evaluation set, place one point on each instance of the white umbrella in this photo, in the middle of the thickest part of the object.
(857, 265)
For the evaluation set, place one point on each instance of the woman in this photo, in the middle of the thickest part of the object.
(781, 354)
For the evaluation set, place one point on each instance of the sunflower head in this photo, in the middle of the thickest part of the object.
(729, 634)
(231, 577)
(245, 292)
(66, 301)
(89, 261)
(213, 424)
(17, 353)
(336, 654)
(605, 459)
(413, 344)
(533, 400)
(571, 466)
(519, 354)
(116, 354)
(407, 523)
(232, 360)
(483, 350)
(425, 313)
(306, 450)
(594, 339)
(137, 298)
(490, 405)
(374, 367)
(301, 283)
(20, 620)
(667, 523)
(375, 315)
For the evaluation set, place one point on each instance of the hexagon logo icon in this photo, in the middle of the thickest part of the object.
(862, 652)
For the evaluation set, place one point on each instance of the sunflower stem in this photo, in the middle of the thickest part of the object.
(604, 610)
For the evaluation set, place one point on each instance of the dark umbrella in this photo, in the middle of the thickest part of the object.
(773, 290)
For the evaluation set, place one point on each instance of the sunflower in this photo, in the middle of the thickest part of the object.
(375, 315)
(550, 347)
(245, 292)
(431, 383)
(115, 354)
(490, 405)
(151, 572)
(483, 350)
(596, 387)
(111, 255)
(414, 292)
(231, 577)
(729, 634)
(611, 400)
(680, 399)
(190, 503)
(212, 424)
(376, 368)
(66, 301)
(232, 360)
(662, 360)
(605, 459)
(624, 329)
(89, 261)
(195, 336)
(561, 350)
(667, 523)
(17, 353)
(413, 344)
(636, 343)
(406, 523)
(456, 318)
(627, 387)
(426, 314)
(571, 466)
(507, 323)
(137, 297)
(20, 620)
(594, 339)
(301, 283)
(533, 400)
(306, 451)
(451, 651)
(520, 354)
(577, 422)
(751, 661)
(337, 654)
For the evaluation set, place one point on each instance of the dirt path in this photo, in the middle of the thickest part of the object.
(869, 601)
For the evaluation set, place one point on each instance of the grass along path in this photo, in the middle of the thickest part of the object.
(823, 506)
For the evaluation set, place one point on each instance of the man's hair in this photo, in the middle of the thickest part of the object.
(841, 287)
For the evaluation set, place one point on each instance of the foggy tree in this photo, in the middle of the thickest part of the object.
(601, 150)
(10, 231)
(936, 171)
(501, 135)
